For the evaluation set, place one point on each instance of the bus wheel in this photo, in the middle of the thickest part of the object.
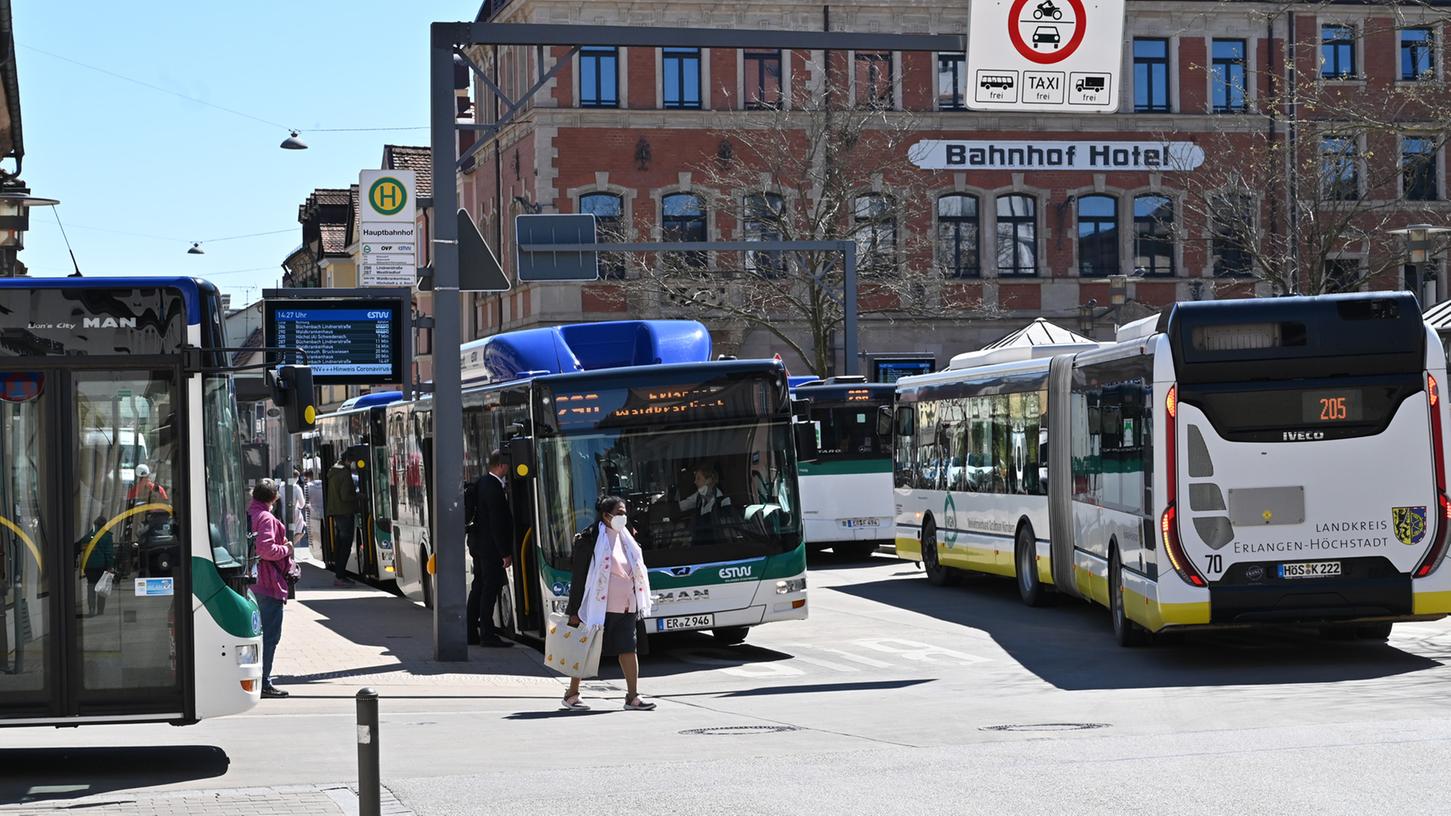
(1025, 556)
(730, 635)
(856, 551)
(426, 579)
(937, 575)
(1373, 631)
(1125, 631)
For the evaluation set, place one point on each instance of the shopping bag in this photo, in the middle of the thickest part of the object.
(103, 584)
(573, 651)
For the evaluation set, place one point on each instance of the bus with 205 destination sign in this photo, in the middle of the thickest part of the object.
(704, 453)
(124, 554)
(1227, 463)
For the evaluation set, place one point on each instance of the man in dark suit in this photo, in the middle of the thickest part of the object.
(491, 545)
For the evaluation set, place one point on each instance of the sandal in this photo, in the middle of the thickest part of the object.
(577, 705)
(636, 703)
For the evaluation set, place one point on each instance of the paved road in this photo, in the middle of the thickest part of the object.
(894, 697)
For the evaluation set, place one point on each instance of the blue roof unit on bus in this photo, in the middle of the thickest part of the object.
(585, 347)
(192, 289)
(371, 400)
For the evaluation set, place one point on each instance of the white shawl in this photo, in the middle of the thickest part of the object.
(597, 585)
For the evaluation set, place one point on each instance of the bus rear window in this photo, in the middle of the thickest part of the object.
(1247, 336)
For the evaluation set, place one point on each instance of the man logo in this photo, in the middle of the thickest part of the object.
(1410, 523)
(387, 195)
(108, 322)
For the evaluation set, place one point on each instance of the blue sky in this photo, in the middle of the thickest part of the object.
(141, 173)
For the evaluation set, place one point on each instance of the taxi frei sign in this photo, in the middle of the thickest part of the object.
(388, 238)
(1055, 56)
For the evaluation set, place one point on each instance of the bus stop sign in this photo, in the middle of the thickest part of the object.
(1055, 56)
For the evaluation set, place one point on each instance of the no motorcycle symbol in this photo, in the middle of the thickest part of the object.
(1048, 31)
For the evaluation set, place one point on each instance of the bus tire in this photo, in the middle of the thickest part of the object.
(730, 635)
(937, 575)
(1126, 632)
(857, 550)
(1380, 632)
(426, 579)
(1025, 560)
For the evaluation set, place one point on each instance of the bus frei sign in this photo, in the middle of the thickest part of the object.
(1094, 156)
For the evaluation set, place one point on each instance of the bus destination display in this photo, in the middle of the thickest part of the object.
(352, 342)
(685, 402)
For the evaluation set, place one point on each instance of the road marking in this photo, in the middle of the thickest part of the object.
(708, 659)
(866, 661)
(921, 652)
(815, 661)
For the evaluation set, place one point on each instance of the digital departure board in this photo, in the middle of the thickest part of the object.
(353, 342)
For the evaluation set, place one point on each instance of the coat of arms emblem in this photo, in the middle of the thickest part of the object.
(1410, 523)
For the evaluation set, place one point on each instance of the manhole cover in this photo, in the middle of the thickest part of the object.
(1045, 727)
(734, 730)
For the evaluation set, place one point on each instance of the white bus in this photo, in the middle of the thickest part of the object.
(1224, 464)
(846, 494)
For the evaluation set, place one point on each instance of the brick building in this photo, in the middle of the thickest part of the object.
(1014, 227)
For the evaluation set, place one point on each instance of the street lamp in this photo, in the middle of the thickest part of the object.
(293, 143)
(196, 249)
(1420, 246)
(15, 204)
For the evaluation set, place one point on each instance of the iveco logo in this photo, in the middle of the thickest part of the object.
(1302, 436)
(736, 572)
(108, 322)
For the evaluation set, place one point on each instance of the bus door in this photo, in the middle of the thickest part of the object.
(94, 567)
(526, 586)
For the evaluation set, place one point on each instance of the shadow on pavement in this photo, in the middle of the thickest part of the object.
(558, 713)
(41, 774)
(828, 559)
(817, 688)
(1071, 644)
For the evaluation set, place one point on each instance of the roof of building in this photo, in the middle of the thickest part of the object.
(415, 158)
(1439, 316)
(1038, 333)
(334, 238)
(11, 143)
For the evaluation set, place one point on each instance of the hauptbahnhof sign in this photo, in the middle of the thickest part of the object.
(1093, 156)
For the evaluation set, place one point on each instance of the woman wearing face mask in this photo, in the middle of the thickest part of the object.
(610, 587)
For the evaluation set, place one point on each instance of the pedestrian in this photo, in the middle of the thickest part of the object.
(274, 565)
(312, 491)
(296, 510)
(491, 546)
(610, 587)
(342, 507)
(145, 490)
(100, 560)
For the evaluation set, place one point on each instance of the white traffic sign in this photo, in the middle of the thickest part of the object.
(388, 243)
(1057, 56)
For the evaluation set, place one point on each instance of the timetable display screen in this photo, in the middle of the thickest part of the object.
(347, 342)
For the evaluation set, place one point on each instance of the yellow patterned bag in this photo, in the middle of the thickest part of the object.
(573, 651)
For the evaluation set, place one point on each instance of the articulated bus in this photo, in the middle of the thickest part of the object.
(99, 376)
(357, 435)
(1224, 464)
(703, 452)
(846, 493)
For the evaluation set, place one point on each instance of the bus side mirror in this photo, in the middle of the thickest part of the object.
(521, 456)
(884, 422)
(806, 450)
(801, 409)
(293, 394)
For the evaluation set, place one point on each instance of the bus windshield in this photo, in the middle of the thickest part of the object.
(695, 495)
(847, 432)
(226, 490)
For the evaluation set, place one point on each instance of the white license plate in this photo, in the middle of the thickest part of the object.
(682, 623)
(1310, 569)
(859, 522)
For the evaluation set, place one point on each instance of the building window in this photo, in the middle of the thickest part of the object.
(1420, 280)
(1153, 235)
(608, 210)
(1418, 168)
(1341, 275)
(875, 229)
(957, 236)
(1017, 235)
(682, 218)
(1151, 74)
(764, 212)
(680, 72)
(874, 79)
(599, 75)
(763, 79)
(951, 81)
(1097, 236)
(1231, 233)
(1337, 51)
(1227, 75)
(1339, 169)
(1418, 54)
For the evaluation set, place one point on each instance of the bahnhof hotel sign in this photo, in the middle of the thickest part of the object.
(943, 154)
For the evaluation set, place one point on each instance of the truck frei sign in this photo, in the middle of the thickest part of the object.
(1094, 156)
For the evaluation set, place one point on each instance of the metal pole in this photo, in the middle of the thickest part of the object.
(848, 250)
(369, 787)
(449, 637)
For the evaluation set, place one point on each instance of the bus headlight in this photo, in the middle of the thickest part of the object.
(247, 654)
(793, 585)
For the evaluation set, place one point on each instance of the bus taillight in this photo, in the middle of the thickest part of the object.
(1438, 449)
(1168, 521)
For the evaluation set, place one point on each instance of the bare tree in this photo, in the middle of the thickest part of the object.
(825, 168)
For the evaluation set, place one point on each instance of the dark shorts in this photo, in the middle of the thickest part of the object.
(619, 634)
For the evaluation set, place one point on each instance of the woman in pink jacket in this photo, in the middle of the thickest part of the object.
(274, 563)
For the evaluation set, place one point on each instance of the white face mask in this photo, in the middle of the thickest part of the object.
(703, 489)
(617, 523)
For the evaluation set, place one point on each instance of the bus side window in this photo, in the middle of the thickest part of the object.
(902, 447)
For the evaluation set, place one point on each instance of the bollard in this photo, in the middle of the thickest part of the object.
(369, 793)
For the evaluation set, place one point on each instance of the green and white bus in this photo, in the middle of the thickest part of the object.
(846, 493)
(607, 424)
(98, 378)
